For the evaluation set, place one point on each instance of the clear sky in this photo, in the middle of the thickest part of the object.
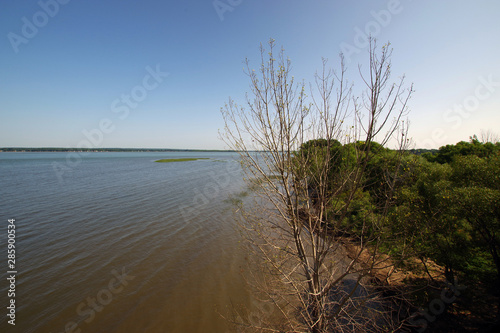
(66, 65)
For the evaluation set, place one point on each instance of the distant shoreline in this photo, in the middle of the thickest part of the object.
(109, 150)
(147, 150)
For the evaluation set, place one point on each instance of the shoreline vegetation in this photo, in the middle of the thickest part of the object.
(431, 291)
(421, 225)
(440, 270)
(169, 160)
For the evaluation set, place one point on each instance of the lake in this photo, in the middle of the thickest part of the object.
(114, 242)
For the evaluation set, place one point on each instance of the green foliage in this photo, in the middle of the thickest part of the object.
(421, 212)
(444, 205)
(360, 213)
(476, 199)
(453, 208)
(448, 153)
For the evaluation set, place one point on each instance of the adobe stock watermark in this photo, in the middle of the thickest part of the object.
(261, 310)
(223, 6)
(211, 190)
(30, 26)
(461, 111)
(88, 309)
(436, 307)
(373, 28)
(121, 107)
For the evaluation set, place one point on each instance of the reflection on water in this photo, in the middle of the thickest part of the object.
(123, 244)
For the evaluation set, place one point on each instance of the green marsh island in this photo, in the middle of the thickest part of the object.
(168, 160)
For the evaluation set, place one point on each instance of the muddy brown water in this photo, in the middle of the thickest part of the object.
(114, 242)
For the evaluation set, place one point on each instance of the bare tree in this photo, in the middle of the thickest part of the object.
(296, 223)
(489, 136)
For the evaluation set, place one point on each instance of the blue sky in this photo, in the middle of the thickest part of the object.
(65, 65)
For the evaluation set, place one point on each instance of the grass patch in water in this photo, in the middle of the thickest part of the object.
(168, 160)
(236, 199)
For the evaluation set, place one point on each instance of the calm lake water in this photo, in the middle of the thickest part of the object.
(114, 242)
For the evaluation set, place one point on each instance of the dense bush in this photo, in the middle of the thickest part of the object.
(445, 205)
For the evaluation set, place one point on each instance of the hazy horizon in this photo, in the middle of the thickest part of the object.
(154, 74)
